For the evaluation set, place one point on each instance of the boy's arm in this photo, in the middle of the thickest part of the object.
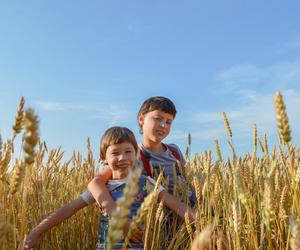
(58, 216)
(100, 192)
(177, 206)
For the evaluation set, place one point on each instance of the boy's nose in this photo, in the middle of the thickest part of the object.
(162, 123)
(121, 157)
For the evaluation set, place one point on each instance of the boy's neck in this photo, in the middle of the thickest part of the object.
(156, 147)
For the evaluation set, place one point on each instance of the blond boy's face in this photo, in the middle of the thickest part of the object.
(120, 158)
(156, 125)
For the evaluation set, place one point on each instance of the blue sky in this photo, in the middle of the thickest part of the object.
(87, 65)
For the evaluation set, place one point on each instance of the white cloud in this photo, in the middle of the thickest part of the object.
(258, 109)
(177, 135)
(51, 106)
(238, 75)
(295, 44)
(257, 86)
(282, 75)
(205, 117)
(62, 107)
(112, 113)
(251, 89)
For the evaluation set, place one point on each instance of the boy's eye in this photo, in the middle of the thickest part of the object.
(157, 119)
(160, 120)
(128, 151)
(114, 153)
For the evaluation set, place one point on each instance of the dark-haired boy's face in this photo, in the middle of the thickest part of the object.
(156, 125)
(120, 158)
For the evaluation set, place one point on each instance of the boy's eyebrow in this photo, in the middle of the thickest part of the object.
(168, 119)
(115, 149)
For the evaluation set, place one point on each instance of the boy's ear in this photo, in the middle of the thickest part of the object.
(141, 119)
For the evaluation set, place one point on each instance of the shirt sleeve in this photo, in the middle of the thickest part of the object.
(88, 197)
(151, 184)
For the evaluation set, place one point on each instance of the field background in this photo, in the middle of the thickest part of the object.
(243, 202)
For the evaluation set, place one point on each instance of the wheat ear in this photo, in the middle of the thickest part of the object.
(295, 233)
(227, 125)
(17, 127)
(18, 176)
(282, 119)
(218, 150)
(140, 216)
(4, 162)
(202, 240)
(31, 136)
(120, 215)
(188, 225)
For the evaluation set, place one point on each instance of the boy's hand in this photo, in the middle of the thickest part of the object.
(32, 241)
(137, 236)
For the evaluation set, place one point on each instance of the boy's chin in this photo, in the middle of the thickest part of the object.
(159, 139)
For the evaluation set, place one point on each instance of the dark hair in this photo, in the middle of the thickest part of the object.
(116, 135)
(157, 103)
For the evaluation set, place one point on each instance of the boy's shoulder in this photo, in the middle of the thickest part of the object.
(175, 150)
(173, 146)
(170, 146)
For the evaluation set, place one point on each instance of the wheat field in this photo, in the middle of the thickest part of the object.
(244, 202)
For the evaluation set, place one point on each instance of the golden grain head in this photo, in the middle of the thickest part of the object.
(17, 177)
(31, 136)
(255, 136)
(218, 150)
(202, 240)
(282, 119)
(295, 233)
(19, 117)
(227, 125)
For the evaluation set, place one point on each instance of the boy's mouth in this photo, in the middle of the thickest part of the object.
(123, 166)
(160, 132)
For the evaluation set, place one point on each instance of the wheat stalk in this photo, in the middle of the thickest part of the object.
(227, 125)
(141, 215)
(31, 136)
(202, 240)
(218, 150)
(282, 119)
(17, 127)
(5, 159)
(254, 138)
(120, 215)
(295, 233)
(188, 225)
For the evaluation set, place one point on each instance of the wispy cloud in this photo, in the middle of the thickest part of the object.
(60, 107)
(256, 86)
(247, 76)
(203, 134)
(258, 109)
(293, 44)
(111, 113)
(114, 113)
